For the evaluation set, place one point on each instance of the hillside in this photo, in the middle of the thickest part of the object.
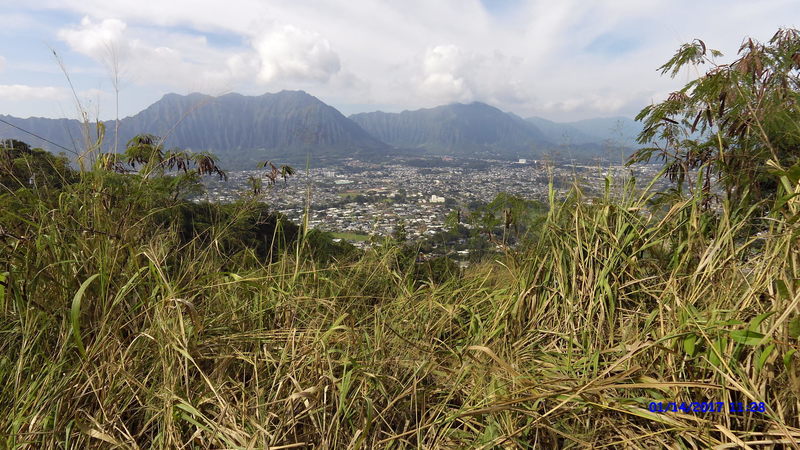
(474, 129)
(616, 130)
(651, 313)
(293, 126)
(240, 129)
(286, 124)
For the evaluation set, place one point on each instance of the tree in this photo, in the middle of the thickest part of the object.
(145, 153)
(400, 234)
(143, 150)
(508, 214)
(24, 167)
(737, 124)
(272, 175)
(286, 172)
(175, 171)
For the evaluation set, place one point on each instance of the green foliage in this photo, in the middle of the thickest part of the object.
(400, 234)
(735, 123)
(144, 150)
(144, 153)
(506, 215)
(231, 228)
(199, 330)
(211, 326)
(274, 172)
(24, 167)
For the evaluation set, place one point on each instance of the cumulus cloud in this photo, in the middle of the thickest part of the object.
(452, 74)
(16, 92)
(282, 54)
(563, 60)
(146, 56)
(96, 39)
(443, 70)
(295, 54)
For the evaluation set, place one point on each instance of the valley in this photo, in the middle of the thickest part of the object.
(374, 199)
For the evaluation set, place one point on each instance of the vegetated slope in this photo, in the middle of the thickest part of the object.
(238, 128)
(285, 124)
(474, 129)
(615, 130)
(65, 132)
(293, 125)
(111, 318)
(562, 133)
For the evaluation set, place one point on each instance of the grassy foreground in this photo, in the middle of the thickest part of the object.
(117, 333)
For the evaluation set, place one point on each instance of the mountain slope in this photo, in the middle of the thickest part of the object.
(65, 132)
(281, 124)
(619, 130)
(239, 129)
(293, 126)
(562, 133)
(474, 129)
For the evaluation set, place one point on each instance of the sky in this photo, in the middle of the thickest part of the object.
(559, 59)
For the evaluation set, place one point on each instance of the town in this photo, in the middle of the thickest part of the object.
(357, 199)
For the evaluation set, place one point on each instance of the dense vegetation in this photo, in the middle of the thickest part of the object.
(133, 318)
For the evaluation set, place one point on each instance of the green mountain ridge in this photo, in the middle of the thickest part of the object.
(295, 126)
(238, 128)
(458, 129)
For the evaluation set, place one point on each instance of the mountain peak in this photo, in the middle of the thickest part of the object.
(172, 96)
(472, 129)
(293, 124)
(290, 92)
(480, 105)
(241, 130)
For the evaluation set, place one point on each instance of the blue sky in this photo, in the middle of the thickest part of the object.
(564, 60)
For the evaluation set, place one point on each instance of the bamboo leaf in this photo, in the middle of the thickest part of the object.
(787, 358)
(75, 314)
(794, 328)
(689, 344)
(746, 337)
(762, 358)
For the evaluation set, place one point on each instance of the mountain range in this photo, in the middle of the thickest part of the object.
(295, 126)
(474, 129)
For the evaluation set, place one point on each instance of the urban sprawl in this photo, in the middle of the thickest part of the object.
(358, 199)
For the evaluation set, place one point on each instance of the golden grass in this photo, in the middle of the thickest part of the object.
(138, 341)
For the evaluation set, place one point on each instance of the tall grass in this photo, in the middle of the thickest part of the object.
(116, 333)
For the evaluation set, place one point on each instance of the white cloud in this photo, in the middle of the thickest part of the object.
(16, 92)
(603, 104)
(295, 54)
(566, 60)
(451, 74)
(443, 70)
(182, 61)
(185, 62)
(96, 39)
